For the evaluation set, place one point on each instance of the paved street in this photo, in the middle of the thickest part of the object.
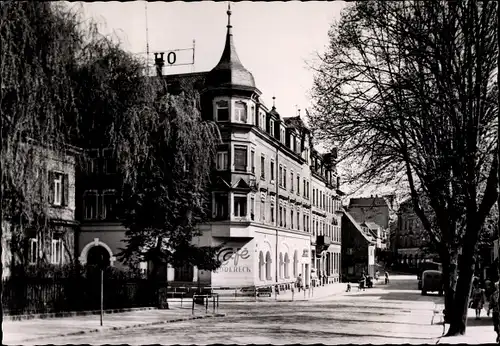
(385, 314)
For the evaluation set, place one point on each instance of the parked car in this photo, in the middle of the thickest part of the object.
(432, 281)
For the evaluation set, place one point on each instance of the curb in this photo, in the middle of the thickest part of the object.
(138, 325)
(72, 313)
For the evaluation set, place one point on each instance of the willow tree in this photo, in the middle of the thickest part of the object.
(410, 88)
(38, 46)
(166, 153)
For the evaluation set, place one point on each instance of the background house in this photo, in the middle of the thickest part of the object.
(358, 249)
(53, 242)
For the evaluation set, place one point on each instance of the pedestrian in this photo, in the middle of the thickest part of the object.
(386, 277)
(348, 287)
(363, 281)
(299, 282)
(493, 306)
(377, 274)
(478, 299)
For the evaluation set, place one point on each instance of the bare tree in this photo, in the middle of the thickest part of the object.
(410, 87)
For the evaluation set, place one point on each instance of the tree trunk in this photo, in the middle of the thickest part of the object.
(458, 323)
(449, 277)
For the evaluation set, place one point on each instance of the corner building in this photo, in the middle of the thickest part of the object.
(274, 199)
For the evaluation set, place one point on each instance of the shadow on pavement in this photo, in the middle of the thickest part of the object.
(484, 321)
(407, 296)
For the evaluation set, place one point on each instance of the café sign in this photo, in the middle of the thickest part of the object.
(234, 260)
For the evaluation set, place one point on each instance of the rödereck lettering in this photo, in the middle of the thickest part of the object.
(233, 270)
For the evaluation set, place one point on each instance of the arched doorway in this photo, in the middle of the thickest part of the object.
(97, 255)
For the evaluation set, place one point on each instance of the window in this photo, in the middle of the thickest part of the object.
(272, 170)
(33, 250)
(271, 127)
(109, 205)
(222, 110)
(304, 189)
(252, 115)
(222, 160)
(281, 215)
(252, 160)
(291, 219)
(298, 185)
(262, 123)
(252, 212)
(262, 264)
(280, 176)
(272, 213)
(57, 189)
(287, 263)
(90, 204)
(240, 112)
(281, 266)
(284, 178)
(262, 167)
(269, 262)
(282, 135)
(291, 181)
(93, 161)
(262, 211)
(220, 206)
(240, 206)
(304, 225)
(295, 263)
(298, 219)
(109, 161)
(57, 251)
(307, 190)
(240, 158)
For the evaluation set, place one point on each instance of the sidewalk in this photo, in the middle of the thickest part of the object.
(477, 332)
(17, 332)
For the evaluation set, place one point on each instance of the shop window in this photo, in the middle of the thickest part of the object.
(281, 266)
(286, 264)
(269, 262)
(295, 264)
(262, 265)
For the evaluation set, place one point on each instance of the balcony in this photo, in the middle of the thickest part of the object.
(231, 230)
(322, 243)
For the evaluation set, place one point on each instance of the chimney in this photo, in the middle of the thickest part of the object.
(159, 63)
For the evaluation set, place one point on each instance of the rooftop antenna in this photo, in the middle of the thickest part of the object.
(147, 38)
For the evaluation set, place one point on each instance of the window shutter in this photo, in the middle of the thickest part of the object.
(51, 187)
(65, 183)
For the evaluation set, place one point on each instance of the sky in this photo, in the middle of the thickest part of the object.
(275, 41)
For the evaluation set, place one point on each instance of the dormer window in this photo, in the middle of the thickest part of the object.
(282, 135)
(222, 110)
(271, 127)
(240, 112)
(252, 115)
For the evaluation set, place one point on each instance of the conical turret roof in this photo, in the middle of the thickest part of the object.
(230, 72)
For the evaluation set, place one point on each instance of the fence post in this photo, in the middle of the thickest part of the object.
(102, 294)
(217, 303)
(192, 308)
(213, 301)
(276, 292)
(206, 305)
(255, 293)
(293, 292)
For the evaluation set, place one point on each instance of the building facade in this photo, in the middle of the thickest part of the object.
(274, 199)
(53, 243)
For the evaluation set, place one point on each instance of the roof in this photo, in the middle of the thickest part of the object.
(368, 202)
(358, 227)
(230, 72)
(371, 225)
